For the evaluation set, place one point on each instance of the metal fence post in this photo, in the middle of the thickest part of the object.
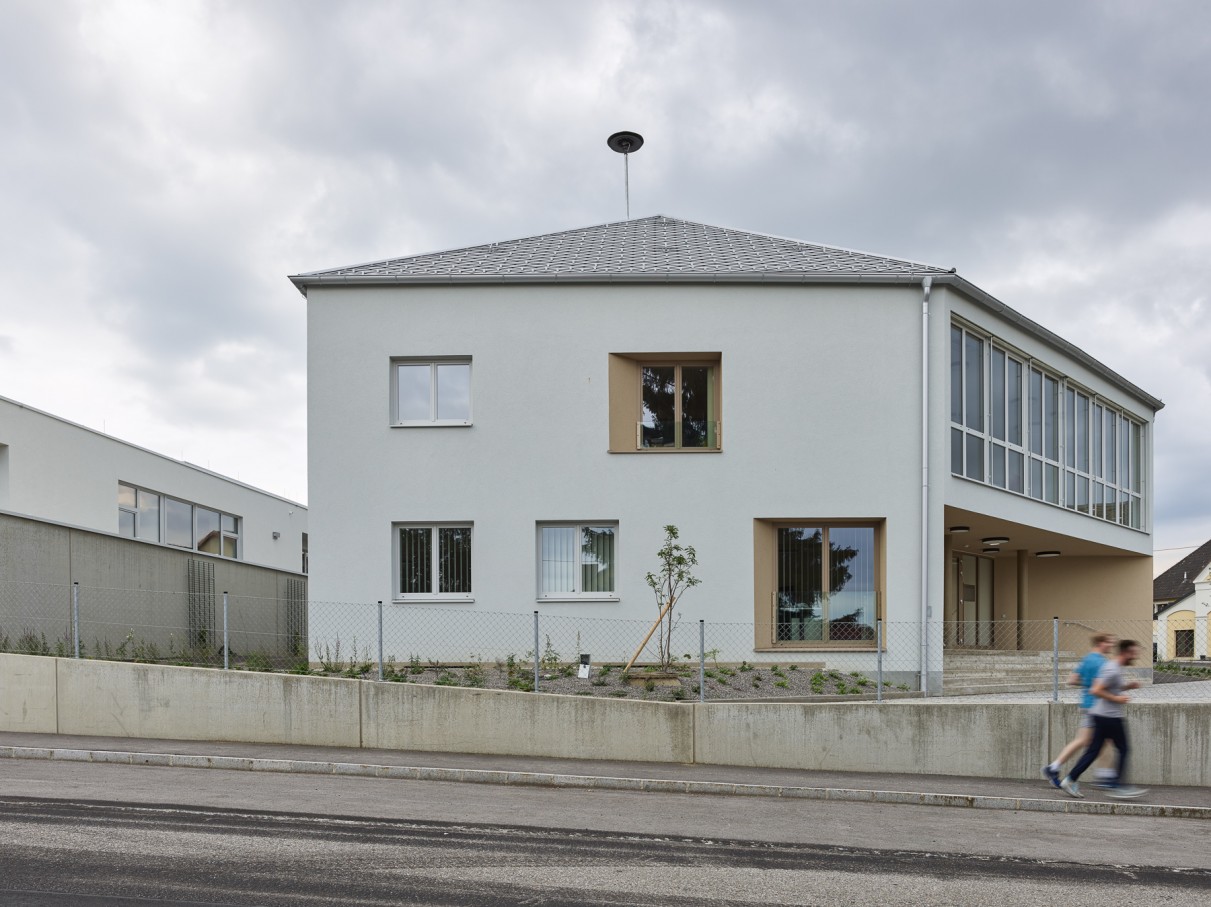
(879, 659)
(702, 661)
(226, 646)
(75, 618)
(1055, 659)
(535, 651)
(380, 639)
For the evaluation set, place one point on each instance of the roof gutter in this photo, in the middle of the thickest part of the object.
(926, 285)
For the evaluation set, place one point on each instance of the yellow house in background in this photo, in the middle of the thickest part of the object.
(1181, 597)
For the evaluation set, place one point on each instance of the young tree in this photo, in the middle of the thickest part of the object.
(674, 576)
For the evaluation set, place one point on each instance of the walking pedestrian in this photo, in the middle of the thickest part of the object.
(1109, 724)
(1083, 675)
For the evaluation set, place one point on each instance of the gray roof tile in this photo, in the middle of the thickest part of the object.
(648, 247)
(1178, 581)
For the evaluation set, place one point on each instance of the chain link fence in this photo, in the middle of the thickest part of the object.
(685, 659)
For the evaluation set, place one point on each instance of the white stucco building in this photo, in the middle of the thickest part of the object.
(509, 427)
(150, 541)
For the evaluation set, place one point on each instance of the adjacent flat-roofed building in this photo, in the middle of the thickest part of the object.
(151, 541)
(843, 437)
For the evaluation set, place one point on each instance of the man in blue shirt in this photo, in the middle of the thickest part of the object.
(1083, 676)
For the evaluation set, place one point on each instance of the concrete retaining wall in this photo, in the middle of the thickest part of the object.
(119, 699)
(449, 719)
(1171, 742)
(977, 739)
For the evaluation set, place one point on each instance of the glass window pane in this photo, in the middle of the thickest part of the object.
(1036, 412)
(696, 393)
(178, 523)
(1095, 451)
(800, 584)
(557, 560)
(229, 546)
(1051, 423)
(1136, 512)
(1124, 508)
(956, 451)
(149, 516)
(1070, 490)
(1051, 484)
(1137, 451)
(454, 551)
(126, 524)
(229, 523)
(597, 559)
(1013, 393)
(659, 406)
(973, 381)
(1124, 453)
(851, 582)
(975, 457)
(1082, 432)
(998, 465)
(209, 537)
(454, 391)
(413, 400)
(126, 496)
(956, 375)
(1069, 427)
(416, 560)
(1016, 475)
(1095, 500)
(1111, 446)
(997, 391)
(1036, 478)
(1082, 494)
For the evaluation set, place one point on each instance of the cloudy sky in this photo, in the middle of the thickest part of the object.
(165, 165)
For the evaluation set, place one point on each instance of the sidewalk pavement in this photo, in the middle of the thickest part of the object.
(722, 780)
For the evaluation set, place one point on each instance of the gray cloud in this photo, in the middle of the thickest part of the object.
(165, 166)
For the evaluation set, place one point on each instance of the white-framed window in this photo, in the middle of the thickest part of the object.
(577, 561)
(431, 391)
(433, 561)
(155, 517)
(1018, 425)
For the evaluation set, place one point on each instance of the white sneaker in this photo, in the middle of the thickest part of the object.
(1072, 788)
(1126, 793)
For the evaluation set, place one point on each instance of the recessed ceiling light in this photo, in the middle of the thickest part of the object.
(995, 540)
(957, 529)
(1047, 554)
(992, 550)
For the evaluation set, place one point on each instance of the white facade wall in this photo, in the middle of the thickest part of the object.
(55, 470)
(820, 410)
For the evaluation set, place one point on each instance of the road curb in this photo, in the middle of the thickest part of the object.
(591, 782)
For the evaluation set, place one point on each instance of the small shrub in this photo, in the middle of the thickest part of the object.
(745, 666)
(258, 661)
(474, 675)
(649, 686)
(781, 683)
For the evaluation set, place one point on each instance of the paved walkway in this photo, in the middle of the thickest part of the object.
(923, 790)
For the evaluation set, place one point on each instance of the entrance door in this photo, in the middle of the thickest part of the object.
(973, 627)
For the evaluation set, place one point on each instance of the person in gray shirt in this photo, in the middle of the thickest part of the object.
(1107, 713)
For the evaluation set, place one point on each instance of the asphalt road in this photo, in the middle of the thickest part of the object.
(115, 835)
